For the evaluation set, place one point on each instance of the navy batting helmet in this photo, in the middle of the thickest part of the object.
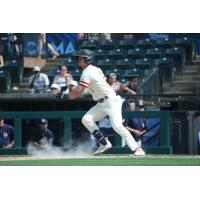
(43, 121)
(85, 53)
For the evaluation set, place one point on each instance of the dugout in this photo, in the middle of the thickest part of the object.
(64, 117)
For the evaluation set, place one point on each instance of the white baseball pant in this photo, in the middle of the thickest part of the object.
(113, 108)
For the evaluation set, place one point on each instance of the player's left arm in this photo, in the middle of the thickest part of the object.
(76, 92)
(11, 144)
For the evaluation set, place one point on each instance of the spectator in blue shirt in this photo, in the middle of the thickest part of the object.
(6, 135)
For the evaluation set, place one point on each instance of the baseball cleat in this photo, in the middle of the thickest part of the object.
(102, 148)
(139, 152)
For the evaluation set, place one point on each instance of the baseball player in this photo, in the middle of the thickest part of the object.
(42, 137)
(108, 104)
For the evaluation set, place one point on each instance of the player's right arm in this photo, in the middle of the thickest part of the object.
(76, 92)
(84, 83)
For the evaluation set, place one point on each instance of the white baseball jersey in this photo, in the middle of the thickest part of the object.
(93, 78)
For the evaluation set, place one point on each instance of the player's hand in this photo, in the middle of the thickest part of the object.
(137, 133)
(8, 146)
(142, 132)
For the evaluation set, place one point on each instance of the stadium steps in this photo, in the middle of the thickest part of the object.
(187, 78)
(51, 64)
(186, 81)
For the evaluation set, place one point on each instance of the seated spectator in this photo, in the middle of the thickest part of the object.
(60, 79)
(42, 137)
(39, 82)
(128, 36)
(99, 36)
(69, 81)
(55, 88)
(132, 85)
(105, 36)
(112, 81)
(1, 61)
(117, 86)
(6, 135)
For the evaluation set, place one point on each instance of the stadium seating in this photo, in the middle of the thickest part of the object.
(122, 57)
(153, 53)
(52, 74)
(177, 53)
(117, 54)
(4, 81)
(132, 73)
(164, 43)
(71, 64)
(127, 44)
(144, 44)
(187, 44)
(164, 62)
(108, 44)
(166, 69)
(76, 74)
(89, 44)
(105, 64)
(144, 63)
(125, 63)
(117, 71)
(136, 53)
(100, 54)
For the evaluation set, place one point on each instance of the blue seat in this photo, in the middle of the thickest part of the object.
(153, 53)
(125, 63)
(130, 73)
(144, 63)
(106, 64)
(89, 44)
(76, 74)
(108, 44)
(52, 74)
(189, 46)
(124, 80)
(71, 64)
(136, 53)
(164, 43)
(117, 71)
(177, 53)
(100, 54)
(145, 43)
(164, 62)
(127, 44)
(117, 54)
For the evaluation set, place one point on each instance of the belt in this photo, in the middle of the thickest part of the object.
(101, 100)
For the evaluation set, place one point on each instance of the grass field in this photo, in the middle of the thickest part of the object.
(108, 160)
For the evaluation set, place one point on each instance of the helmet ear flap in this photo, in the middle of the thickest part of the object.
(88, 59)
